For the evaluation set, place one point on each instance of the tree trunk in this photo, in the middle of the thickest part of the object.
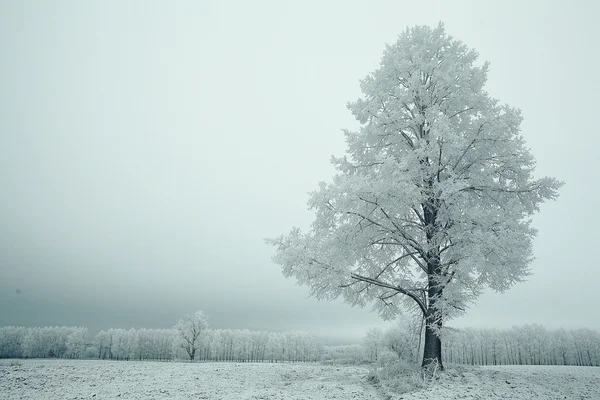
(432, 348)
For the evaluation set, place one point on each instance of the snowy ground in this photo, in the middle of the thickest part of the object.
(513, 382)
(64, 379)
(99, 380)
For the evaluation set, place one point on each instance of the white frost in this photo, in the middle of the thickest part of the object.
(92, 379)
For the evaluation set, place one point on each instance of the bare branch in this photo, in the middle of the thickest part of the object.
(394, 262)
(405, 292)
(469, 146)
(460, 112)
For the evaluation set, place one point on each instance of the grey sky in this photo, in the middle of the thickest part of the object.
(147, 148)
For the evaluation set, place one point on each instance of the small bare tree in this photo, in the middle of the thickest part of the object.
(189, 330)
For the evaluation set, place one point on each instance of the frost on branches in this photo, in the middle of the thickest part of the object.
(432, 202)
(189, 330)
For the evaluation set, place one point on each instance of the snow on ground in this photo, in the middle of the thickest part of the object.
(99, 380)
(513, 382)
(89, 379)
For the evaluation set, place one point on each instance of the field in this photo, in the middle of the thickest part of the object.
(86, 379)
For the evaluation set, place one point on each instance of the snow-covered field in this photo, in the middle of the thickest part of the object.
(64, 379)
(83, 379)
(514, 382)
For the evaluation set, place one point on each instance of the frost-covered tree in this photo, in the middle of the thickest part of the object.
(11, 341)
(373, 342)
(189, 330)
(75, 343)
(433, 201)
(403, 340)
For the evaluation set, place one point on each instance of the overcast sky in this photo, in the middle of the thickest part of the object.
(147, 148)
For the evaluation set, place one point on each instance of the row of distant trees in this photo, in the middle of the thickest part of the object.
(521, 345)
(52, 341)
(190, 339)
(240, 345)
(524, 345)
(158, 344)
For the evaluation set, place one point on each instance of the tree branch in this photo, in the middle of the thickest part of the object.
(405, 292)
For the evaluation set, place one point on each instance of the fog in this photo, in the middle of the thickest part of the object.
(148, 148)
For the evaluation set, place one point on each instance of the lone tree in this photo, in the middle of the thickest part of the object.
(189, 330)
(433, 201)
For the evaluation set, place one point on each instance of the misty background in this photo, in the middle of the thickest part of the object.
(147, 148)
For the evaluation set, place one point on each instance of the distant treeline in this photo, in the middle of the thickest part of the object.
(157, 344)
(524, 345)
(52, 341)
